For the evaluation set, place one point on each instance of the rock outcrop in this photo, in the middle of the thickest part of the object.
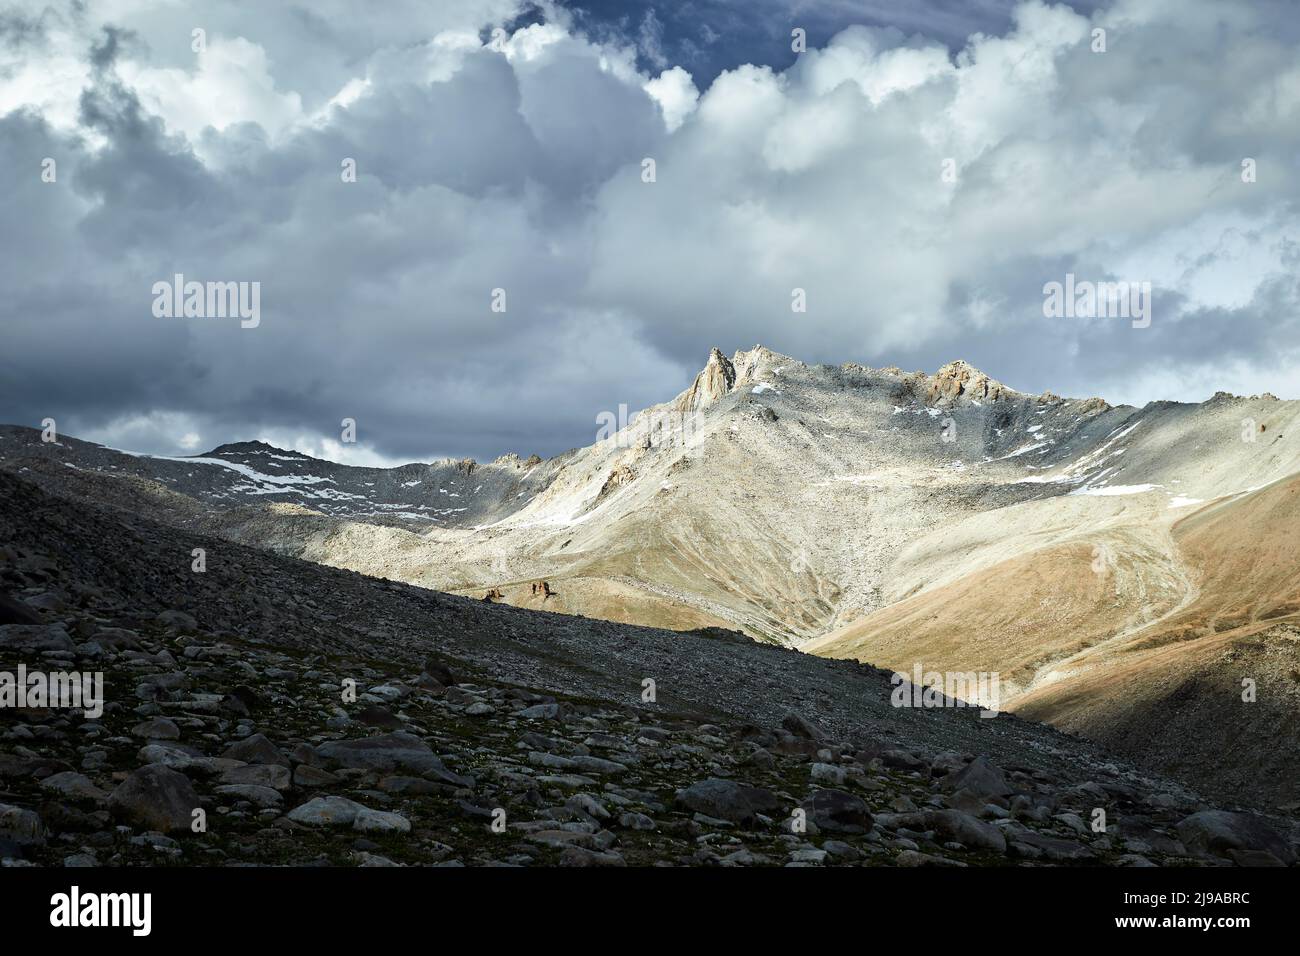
(957, 380)
(716, 379)
(620, 476)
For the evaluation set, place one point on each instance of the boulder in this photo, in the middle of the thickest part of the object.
(1217, 832)
(372, 715)
(155, 798)
(901, 759)
(380, 821)
(35, 638)
(74, 786)
(258, 775)
(837, 811)
(308, 776)
(1033, 845)
(395, 751)
(440, 672)
(978, 777)
(157, 728)
(966, 830)
(177, 757)
(540, 712)
(20, 826)
(727, 800)
(177, 619)
(801, 727)
(16, 612)
(257, 749)
(326, 812)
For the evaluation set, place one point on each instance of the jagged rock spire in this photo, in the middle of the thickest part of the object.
(716, 379)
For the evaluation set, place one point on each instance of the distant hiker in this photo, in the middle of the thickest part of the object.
(546, 591)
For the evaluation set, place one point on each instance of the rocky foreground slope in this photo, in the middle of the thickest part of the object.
(485, 734)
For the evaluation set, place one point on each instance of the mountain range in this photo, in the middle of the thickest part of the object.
(1128, 573)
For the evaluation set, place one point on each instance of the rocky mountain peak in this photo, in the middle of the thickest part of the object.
(717, 378)
(960, 380)
(249, 447)
(759, 360)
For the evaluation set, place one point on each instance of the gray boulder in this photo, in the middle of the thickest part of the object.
(380, 821)
(966, 830)
(1217, 832)
(74, 786)
(727, 800)
(16, 612)
(978, 777)
(440, 672)
(837, 811)
(395, 751)
(20, 826)
(257, 749)
(326, 812)
(801, 727)
(155, 798)
(35, 638)
(257, 775)
(157, 728)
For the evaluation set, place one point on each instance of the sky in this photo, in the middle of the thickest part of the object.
(501, 269)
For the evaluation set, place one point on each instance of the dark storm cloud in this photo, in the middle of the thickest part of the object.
(375, 310)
